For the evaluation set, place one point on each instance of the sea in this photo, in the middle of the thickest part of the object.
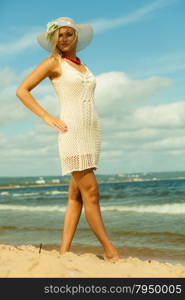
(144, 214)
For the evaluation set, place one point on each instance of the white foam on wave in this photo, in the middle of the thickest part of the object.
(33, 208)
(56, 192)
(5, 194)
(36, 193)
(24, 194)
(175, 208)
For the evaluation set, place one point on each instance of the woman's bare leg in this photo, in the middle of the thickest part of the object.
(88, 186)
(72, 215)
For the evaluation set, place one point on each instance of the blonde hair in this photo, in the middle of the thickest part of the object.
(55, 51)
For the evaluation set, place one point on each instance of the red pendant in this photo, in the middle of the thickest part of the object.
(75, 60)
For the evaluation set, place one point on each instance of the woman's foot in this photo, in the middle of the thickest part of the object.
(63, 251)
(111, 255)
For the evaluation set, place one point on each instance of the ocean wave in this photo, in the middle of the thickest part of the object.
(33, 193)
(175, 208)
(167, 235)
(24, 194)
(56, 192)
(5, 194)
(43, 208)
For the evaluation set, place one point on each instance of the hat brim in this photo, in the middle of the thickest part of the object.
(85, 35)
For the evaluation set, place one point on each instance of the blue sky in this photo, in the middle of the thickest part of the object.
(137, 55)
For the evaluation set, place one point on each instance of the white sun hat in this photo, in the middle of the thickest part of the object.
(84, 32)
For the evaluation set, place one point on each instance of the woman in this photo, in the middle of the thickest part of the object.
(79, 136)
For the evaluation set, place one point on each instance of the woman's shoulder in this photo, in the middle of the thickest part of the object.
(51, 60)
(53, 66)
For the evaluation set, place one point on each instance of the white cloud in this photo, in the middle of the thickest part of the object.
(161, 116)
(118, 95)
(165, 64)
(101, 25)
(11, 48)
(7, 76)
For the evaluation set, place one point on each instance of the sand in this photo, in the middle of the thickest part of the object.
(26, 261)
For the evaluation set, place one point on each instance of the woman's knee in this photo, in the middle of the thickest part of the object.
(88, 185)
(91, 196)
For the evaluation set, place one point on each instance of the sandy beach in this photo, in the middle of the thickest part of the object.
(26, 261)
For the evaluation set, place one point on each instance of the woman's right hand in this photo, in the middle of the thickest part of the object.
(55, 122)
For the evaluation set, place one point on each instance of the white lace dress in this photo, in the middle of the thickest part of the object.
(79, 146)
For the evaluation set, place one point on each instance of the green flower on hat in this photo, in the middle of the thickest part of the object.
(51, 26)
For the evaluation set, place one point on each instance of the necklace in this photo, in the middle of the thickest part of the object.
(75, 60)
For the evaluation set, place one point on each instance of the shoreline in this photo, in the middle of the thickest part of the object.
(28, 261)
(97, 250)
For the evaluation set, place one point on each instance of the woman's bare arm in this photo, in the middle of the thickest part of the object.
(43, 70)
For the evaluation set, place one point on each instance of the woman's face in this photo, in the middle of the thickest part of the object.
(67, 39)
